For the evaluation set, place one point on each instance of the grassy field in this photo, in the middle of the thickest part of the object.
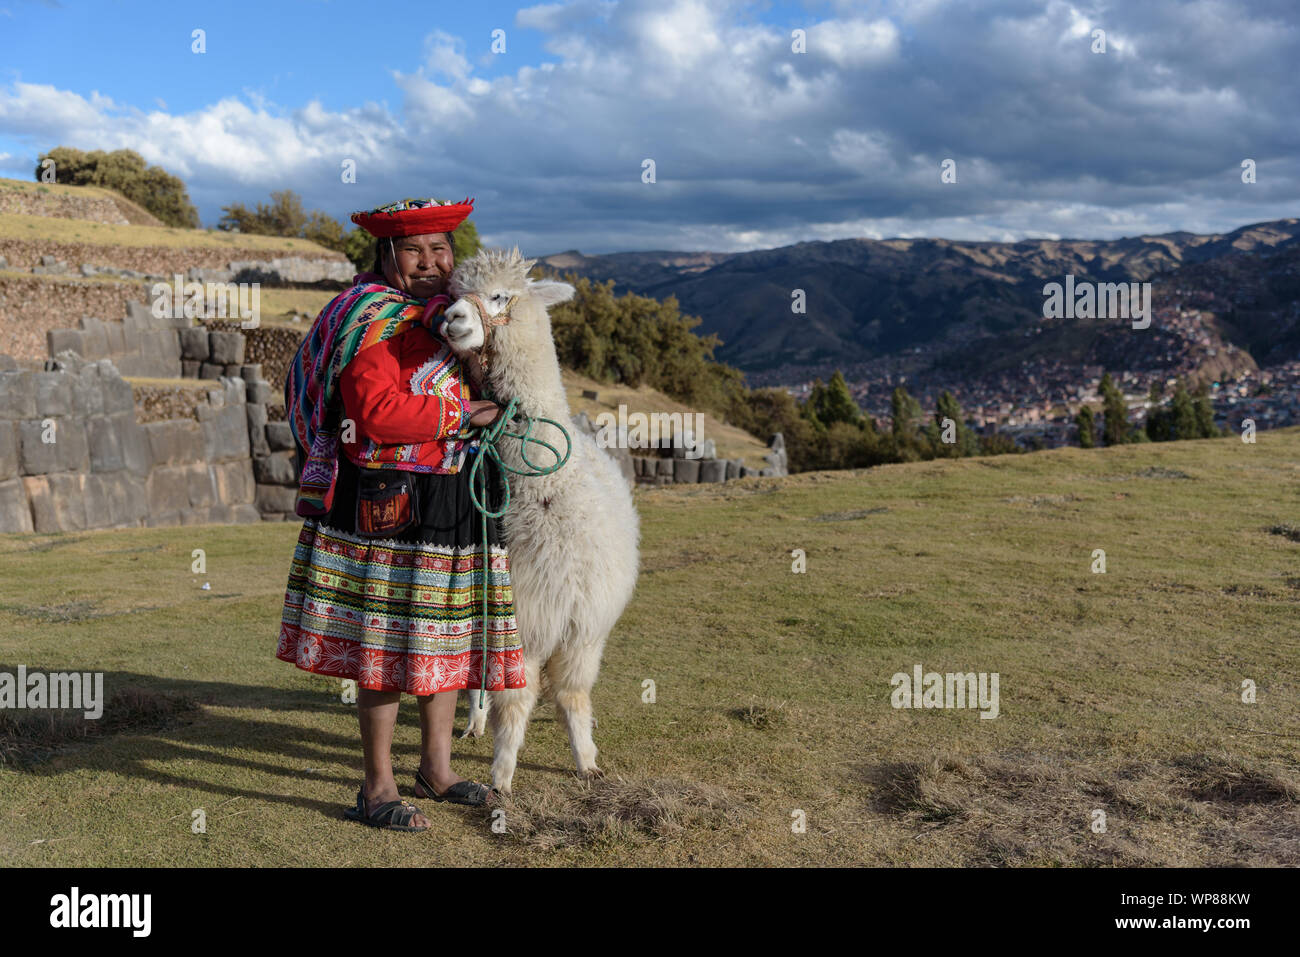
(1119, 692)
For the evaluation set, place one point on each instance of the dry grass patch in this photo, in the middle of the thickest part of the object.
(1036, 809)
(28, 738)
(612, 810)
(761, 716)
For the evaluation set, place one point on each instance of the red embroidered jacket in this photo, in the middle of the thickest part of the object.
(407, 396)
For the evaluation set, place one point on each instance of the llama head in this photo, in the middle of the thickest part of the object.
(482, 287)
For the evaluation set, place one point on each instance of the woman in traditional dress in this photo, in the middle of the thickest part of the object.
(386, 583)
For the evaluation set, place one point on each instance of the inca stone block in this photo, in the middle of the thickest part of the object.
(116, 338)
(125, 495)
(58, 501)
(233, 481)
(66, 451)
(94, 338)
(686, 470)
(17, 395)
(226, 348)
(53, 394)
(225, 435)
(259, 392)
(105, 444)
(256, 417)
(130, 336)
(141, 315)
(209, 371)
(118, 396)
(15, 512)
(279, 435)
(168, 489)
(733, 468)
(276, 498)
(194, 343)
(87, 393)
(8, 450)
(190, 368)
(713, 470)
(134, 442)
(95, 501)
(175, 441)
(234, 387)
(275, 469)
(169, 345)
(246, 514)
(251, 372)
(60, 340)
(202, 485)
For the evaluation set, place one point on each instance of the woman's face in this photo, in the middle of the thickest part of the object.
(421, 265)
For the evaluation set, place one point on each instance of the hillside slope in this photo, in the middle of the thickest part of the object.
(872, 298)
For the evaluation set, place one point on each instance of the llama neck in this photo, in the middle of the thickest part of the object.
(536, 383)
(533, 377)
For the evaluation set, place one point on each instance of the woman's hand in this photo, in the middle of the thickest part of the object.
(483, 412)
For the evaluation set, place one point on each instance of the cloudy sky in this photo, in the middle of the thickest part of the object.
(754, 144)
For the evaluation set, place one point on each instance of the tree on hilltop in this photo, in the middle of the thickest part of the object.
(125, 172)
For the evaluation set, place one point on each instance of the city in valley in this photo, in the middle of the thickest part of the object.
(1035, 403)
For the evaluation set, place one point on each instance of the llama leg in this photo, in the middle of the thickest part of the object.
(572, 672)
(477, 723)
(508, 713)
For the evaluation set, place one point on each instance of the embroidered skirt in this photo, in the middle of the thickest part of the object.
(404, 613)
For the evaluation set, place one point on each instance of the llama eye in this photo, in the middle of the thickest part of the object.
(498, 296)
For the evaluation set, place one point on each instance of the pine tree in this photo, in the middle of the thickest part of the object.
(905, 411)
(1115, 410)
(964, 440)
(1203, 409)
(1184, 423)
(834, 402)
(1087, 425)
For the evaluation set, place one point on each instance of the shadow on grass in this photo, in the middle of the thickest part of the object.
(176, 718)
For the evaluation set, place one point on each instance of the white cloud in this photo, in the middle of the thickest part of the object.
(443, 54)
(850, 43)
(756, 145)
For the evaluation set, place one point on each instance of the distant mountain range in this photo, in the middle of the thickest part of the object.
(955, 301)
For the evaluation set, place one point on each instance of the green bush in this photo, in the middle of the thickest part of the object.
(125, 172)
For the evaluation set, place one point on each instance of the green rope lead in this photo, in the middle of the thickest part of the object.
(487, 437)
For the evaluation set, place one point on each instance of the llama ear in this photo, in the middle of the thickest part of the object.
(548, 292)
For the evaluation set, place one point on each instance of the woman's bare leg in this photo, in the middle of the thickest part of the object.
(437, 715)
(377, 714)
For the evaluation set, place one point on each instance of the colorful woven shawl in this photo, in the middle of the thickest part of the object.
(368, 313)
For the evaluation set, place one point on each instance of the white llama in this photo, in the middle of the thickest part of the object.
(572, 534)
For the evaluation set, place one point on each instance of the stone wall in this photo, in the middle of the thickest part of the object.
(668, 465)
(60, 204)
(31, 307)
(73, 456)
(77, 452)
(218, 263)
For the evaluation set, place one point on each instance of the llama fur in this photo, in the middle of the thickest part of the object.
(573, 535)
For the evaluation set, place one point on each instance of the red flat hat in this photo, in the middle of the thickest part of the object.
(413, 217)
